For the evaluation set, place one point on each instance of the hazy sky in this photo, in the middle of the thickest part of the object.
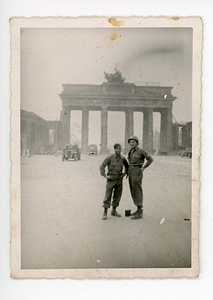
(52, 57)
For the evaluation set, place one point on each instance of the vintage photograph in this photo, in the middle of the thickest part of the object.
(106, 136)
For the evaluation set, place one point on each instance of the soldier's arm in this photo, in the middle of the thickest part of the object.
(149, 160)
(103, 166)
(126, 166)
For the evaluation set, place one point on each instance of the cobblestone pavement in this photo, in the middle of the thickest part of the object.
(61, 211)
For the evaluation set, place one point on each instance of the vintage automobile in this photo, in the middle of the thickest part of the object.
(71, 152)
(92, 149)
(162, 152)
(187, 152)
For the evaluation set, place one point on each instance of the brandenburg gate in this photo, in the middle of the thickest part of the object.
(115, 95)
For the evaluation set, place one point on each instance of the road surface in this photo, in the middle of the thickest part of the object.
(62, 226)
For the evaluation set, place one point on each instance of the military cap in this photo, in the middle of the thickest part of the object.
(133, 137)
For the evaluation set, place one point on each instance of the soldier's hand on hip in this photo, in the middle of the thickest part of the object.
(108, 177)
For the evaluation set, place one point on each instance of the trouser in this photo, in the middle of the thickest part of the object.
(115, 187)
(135, 184)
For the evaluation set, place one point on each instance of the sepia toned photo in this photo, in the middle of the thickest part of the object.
(105, 146)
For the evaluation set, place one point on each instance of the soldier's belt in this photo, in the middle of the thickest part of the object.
(139, 166)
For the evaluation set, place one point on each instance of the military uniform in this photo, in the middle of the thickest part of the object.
(115, 164)
(136, 159)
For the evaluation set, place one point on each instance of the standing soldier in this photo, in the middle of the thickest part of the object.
(115, 164)
(136, 157)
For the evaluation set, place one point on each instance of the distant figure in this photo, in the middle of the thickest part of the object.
(115, 163)
(136, 157)
(24, 152)
(28, 152)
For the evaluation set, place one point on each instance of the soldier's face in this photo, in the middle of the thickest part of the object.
(118, 150)
(133, 143)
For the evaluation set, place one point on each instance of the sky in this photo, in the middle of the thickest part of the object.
(52, 57)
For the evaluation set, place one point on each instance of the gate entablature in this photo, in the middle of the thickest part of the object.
(127, 90)
(117, 96)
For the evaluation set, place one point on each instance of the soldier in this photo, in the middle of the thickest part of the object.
(136, 157)
(115, 164)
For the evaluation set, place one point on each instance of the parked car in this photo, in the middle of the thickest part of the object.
(187, 152)
(162, 152)
(93, 149)
(71, 152)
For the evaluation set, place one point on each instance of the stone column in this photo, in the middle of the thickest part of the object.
(169, 130)
(145, 129)
(55, 135)
(176, 137)
(129, 125)
(36, 138)
(163, 140)
(44, 136)
(66, 126)
(39, 138)
(85, 130)
(29, 135)
(150, 130)
(24, 134)
(104, 124)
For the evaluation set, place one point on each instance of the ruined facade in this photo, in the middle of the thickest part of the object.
(39, 135)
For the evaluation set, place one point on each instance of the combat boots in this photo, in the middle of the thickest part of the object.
(134, 213)
(104, 217)
(137, 215)
(115, 213)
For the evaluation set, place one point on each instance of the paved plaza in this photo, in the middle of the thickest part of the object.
(62, 226)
